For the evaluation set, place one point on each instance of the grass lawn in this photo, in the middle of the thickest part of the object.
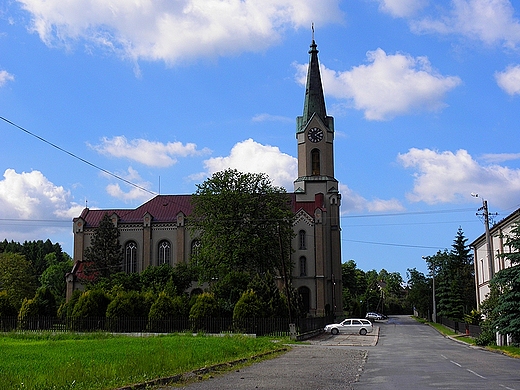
(102, 361)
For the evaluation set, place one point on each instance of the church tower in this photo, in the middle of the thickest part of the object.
(317, 189)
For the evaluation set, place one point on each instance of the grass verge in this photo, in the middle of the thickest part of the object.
(508, 350)
(103, 361)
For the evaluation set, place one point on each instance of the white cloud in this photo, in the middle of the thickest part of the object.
(154, 154)
(250, 156)
(32, 196)
(174, 31)
(5, 77)
(402, 8)
(353, 202)
(134, 192)
(271, 118)
(388, 86)
(500, 157)
(509, 80)
(447, 177)
(490, 21)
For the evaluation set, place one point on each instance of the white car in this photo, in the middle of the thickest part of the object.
(351, 325)
(374, 316)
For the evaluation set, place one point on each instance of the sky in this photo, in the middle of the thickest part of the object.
(106, 103)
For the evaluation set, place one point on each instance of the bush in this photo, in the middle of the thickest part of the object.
(128, 304)
(42, 305)
(249, 306)
(165, 309)
(205, 307)
(65, 310)
(92, 303)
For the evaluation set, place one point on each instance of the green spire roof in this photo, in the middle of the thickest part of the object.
(314, 99)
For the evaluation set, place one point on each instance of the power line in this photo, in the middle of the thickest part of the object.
(408, 213)
(391, 244)
(76, 156)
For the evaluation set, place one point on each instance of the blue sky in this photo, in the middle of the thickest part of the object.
(425, 96)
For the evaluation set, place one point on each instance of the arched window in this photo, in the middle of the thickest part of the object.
(130, 264)
(315, 162)
(165, 251)
(195, 247)
(305, 296)
(303, 266)
(302, 239)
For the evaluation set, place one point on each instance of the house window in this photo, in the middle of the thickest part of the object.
(130, 265)
(164, 252)
(302, 239)
(303, 266)
(315, 162)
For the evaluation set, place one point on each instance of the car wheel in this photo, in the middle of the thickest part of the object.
(362, 332)
(334, 331)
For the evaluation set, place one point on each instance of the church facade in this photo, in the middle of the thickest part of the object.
(156, 233)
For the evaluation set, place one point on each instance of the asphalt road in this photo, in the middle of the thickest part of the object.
(410, 355)
(400, 354)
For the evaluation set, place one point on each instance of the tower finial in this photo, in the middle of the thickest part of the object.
(312, 27)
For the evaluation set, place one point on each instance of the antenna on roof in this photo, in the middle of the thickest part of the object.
(159, 184)
(86, 203)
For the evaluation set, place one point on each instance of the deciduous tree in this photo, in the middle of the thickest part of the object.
(17, 278)
(245, 225)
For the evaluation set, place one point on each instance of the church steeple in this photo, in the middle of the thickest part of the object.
(314, 131)
(314, 98)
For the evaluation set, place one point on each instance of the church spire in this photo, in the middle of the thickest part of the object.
(314, 98)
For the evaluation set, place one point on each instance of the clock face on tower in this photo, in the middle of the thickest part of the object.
(315, 134)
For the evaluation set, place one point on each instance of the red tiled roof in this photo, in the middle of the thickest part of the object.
(165, 208)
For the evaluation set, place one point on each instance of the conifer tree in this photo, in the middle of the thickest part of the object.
(104, 256)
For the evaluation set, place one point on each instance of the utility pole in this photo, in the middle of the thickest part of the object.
(489, 241)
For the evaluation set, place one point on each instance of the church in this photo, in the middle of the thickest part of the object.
(156, 233)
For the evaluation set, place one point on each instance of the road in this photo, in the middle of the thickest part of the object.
(410, 355)
(400, 354)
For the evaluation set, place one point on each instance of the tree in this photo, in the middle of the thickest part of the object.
(507, 282)
(463, 272)
(17, 278)
(53, 277)
(228, 290)
(419, 294)
(454, 279)
(245, 225)
(104, 255)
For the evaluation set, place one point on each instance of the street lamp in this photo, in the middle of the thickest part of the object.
(489, 242)
(434, 314)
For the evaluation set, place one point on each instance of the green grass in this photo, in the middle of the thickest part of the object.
(102, 361)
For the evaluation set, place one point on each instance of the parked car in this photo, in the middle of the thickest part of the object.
(351, 325)
(372, 316)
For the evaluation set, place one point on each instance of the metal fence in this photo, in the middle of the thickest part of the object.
(460, 327)
(258, 326)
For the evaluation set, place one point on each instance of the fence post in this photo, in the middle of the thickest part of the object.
(292, 331)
